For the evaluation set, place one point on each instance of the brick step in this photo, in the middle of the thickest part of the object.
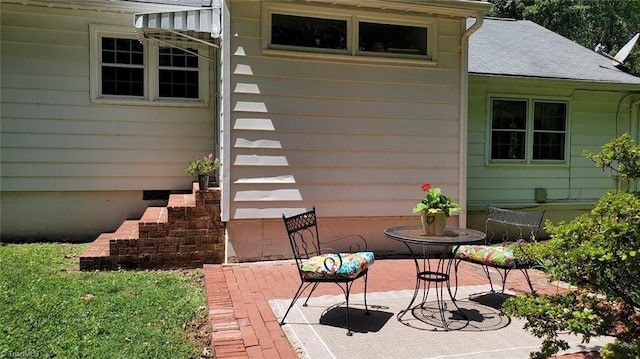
(154, 215)
(97, 254)
(181, 200)
(186, 233)
(128, 230)
(154, 223)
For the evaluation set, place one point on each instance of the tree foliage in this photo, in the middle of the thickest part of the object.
(611, 23)
(599, 254)
(619, 155)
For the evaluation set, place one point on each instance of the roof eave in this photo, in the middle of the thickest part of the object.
(454, 8)
(543, 78)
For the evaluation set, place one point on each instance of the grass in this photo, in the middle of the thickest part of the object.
(49, 309)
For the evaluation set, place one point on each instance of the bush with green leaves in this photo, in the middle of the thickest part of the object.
(599, 254)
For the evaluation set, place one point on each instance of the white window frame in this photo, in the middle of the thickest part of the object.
(529, 135)
(151, 67)
(353, 18)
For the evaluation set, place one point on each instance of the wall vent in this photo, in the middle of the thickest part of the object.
(154, 195)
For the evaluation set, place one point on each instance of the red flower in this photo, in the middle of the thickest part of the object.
(426, 186)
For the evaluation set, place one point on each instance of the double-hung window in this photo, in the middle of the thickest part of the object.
(178, 73)
(127, 71)
(528, 130)
(352, 33)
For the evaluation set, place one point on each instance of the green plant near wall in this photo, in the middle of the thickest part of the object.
(599, 254)
(202, 166)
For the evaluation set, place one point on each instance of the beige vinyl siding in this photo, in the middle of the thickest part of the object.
(352, 135)
(55, 139)
(592, 123)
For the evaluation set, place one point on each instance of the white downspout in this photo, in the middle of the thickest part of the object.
(464, 105)
(225, 119)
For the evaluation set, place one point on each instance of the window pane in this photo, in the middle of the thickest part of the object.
(122, 81)
(108, 57)
(108, 43)
(164, 58)
(192, 61)
(550, 116)
(177, 83)
(122, 51)
(509, 114)
(174, 57)
(398, 39)
(507, 145)
(548, 146)
(308, 32)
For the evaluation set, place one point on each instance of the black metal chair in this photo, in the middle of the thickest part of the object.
(510, 228)
(316, 264)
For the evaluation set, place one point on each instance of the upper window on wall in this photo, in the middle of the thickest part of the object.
(528, 130)
(125, 70)
(399, 39)
(300, 30)
(311, 32)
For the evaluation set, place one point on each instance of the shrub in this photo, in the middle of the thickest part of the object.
(598, 253)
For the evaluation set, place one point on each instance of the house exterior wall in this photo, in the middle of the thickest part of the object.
(70, 167)
(354, 136)
(598, 112)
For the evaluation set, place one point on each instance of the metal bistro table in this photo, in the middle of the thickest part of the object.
(440, 273)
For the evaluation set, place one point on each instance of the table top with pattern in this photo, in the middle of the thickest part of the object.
(452, 236)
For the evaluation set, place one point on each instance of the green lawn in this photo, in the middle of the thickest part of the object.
(49, 309)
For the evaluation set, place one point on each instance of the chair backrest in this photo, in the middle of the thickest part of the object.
(302, 230)
(508, 225)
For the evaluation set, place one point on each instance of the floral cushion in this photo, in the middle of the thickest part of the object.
(327, 266)
(491, 255)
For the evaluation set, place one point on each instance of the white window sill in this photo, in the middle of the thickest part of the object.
(144, 102)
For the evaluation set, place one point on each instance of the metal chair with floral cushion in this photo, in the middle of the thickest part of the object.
(511, 228)
(317, 264)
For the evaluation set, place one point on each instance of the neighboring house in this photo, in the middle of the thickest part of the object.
(536, 101)
(95, 122)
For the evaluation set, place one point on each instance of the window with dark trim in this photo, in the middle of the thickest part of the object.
(528, 130)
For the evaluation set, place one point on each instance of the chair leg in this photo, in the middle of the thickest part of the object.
(295, 298)
(488, 274)
(347, 289)
(504, 279)
(315, 285)
(526, 276)
(366, 307)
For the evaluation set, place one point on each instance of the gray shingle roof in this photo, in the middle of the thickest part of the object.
(523, 48)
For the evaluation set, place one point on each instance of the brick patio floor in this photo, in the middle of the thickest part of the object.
(244, 326)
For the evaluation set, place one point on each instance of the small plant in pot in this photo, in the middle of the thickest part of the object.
(202, 168)
(434, 207)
